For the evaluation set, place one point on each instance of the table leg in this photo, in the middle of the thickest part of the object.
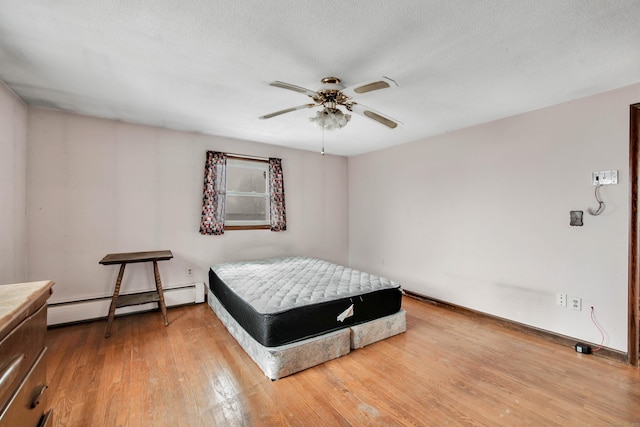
(161, 303)
(114, 298)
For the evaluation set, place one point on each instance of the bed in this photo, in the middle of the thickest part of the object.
(293, 313)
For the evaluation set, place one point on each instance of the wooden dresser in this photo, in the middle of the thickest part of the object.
(23, 377)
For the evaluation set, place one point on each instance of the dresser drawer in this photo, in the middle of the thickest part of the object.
(26, 407)
(19, 350)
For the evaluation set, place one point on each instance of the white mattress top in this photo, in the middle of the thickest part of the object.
(275, 285)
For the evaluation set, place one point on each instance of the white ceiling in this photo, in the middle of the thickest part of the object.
(204, 65)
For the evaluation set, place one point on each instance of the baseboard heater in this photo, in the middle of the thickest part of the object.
(98, 308)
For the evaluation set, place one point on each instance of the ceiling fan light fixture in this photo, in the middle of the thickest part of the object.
(330, 119)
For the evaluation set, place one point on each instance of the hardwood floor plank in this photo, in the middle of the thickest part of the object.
(447, 369)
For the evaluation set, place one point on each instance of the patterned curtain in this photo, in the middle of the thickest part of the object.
(214, 194)
(276, 194)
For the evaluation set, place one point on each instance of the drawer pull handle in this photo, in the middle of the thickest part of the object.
(37, 395)
(11, 370)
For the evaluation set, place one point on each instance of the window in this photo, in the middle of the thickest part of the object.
(241, 193)
(247, 194)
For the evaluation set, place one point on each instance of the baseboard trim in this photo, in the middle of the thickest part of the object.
(70, 312)
(563, 340)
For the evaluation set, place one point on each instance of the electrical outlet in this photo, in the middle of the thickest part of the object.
(575, 303)
(561, 299)
(189, 272)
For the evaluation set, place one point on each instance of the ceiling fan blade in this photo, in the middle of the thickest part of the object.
(288, 110)
(372, 114)
(294, 88)
(370, 86)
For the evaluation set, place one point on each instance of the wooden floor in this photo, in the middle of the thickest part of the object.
(447, 369)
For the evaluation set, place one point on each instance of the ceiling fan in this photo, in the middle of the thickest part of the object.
(330, 95)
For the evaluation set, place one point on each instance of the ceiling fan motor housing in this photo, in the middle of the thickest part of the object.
(329, 93)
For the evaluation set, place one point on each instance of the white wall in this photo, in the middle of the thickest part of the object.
(98, 186)
(13, 219)
(480, 217)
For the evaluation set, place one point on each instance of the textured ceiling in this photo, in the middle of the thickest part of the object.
(204, 65)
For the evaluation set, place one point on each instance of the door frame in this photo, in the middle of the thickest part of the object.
(633, 347)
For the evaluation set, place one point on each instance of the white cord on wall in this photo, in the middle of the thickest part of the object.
(601, 205)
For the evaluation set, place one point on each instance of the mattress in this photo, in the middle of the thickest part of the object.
(285, 300)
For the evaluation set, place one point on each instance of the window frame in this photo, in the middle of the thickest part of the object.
(238, 224)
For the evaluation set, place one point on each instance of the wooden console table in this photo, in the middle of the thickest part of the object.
(140, 298)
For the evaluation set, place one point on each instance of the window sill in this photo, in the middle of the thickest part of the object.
(247, 227)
